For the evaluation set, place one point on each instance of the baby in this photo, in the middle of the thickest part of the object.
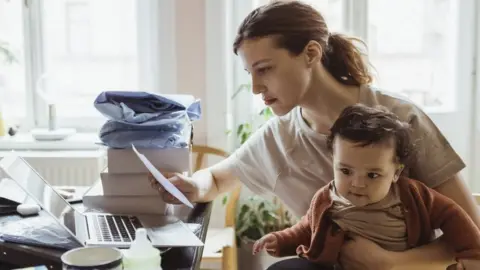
(371, 198)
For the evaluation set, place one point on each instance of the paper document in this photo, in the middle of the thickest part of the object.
(175, 234)
(170, 231)
(169, 187)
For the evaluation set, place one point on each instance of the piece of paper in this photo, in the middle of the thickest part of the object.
(169, 187)
(174, 235)
(169, 231)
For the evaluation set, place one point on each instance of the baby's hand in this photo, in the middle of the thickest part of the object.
(269, 242)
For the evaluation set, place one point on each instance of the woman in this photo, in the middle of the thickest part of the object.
(308, 75)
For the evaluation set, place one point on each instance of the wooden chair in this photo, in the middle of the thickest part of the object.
(227, 255)
(477, 197)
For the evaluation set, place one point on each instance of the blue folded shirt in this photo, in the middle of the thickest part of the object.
(146, 120)
(146, 108)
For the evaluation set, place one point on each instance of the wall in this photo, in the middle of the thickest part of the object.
(190, 55)
(200, 71)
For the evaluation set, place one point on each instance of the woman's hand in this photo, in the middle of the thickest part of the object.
(268, 242)
(465, 265)
(184, 183)
(362, 254)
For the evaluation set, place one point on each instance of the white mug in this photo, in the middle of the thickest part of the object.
(92, 258)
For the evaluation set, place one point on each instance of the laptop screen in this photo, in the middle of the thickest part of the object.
(40, 190)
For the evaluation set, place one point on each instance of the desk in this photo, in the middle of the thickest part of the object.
(187, 258)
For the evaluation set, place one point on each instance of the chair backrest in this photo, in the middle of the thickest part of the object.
(201, 151)
(476, 196)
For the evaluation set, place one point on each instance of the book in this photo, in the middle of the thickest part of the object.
(126, 184)
(95, 199)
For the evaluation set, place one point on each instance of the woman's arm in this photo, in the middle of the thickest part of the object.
(438, 251)
(251, 163)
(214, 181)
(364, 254)
(432, 256)
(456, 189)
(203, 186)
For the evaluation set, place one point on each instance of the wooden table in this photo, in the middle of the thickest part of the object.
(185, 258)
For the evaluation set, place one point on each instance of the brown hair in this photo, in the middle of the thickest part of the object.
(294, 24)
(366, 125)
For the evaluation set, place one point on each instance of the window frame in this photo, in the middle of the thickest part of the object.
(156, 60)
(466, 80)
(474, 140)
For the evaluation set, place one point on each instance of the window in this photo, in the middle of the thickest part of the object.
(412, 46)
(87, 49)
(333, 12)
(13, 98)
(78, 27)
(66, 52)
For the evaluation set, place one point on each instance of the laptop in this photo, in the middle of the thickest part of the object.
(95, 228)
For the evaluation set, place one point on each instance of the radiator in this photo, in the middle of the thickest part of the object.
(67, 168)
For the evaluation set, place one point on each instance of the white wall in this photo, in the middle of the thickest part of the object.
(202, 70)
(190, 56)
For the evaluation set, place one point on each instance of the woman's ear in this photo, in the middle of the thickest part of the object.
(398, 172)
(313, 52)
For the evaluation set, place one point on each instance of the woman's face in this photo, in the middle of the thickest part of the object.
(280, 77)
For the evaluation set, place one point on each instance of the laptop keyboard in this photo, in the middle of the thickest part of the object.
(110, 228)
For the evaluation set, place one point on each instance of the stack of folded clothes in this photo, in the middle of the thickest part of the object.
(160, 127)
(146, 120)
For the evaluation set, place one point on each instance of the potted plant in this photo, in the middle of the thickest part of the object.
(256, 216)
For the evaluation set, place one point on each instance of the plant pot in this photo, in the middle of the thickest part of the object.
(261, 261)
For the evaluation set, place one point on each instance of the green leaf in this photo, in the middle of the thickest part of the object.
(243, 211)
(224, 200)
(245, 208)
(240, 226)
(252, 233)
(261, 206)
(239, 242)
(242, 87)
(267, 113)
(228, 132)
(244, 137)
(240, 129)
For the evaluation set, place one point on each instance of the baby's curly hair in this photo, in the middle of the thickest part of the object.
(372, 125)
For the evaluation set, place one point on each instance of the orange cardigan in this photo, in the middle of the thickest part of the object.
(316, 238)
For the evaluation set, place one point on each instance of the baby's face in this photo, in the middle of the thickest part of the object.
(364, 174)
